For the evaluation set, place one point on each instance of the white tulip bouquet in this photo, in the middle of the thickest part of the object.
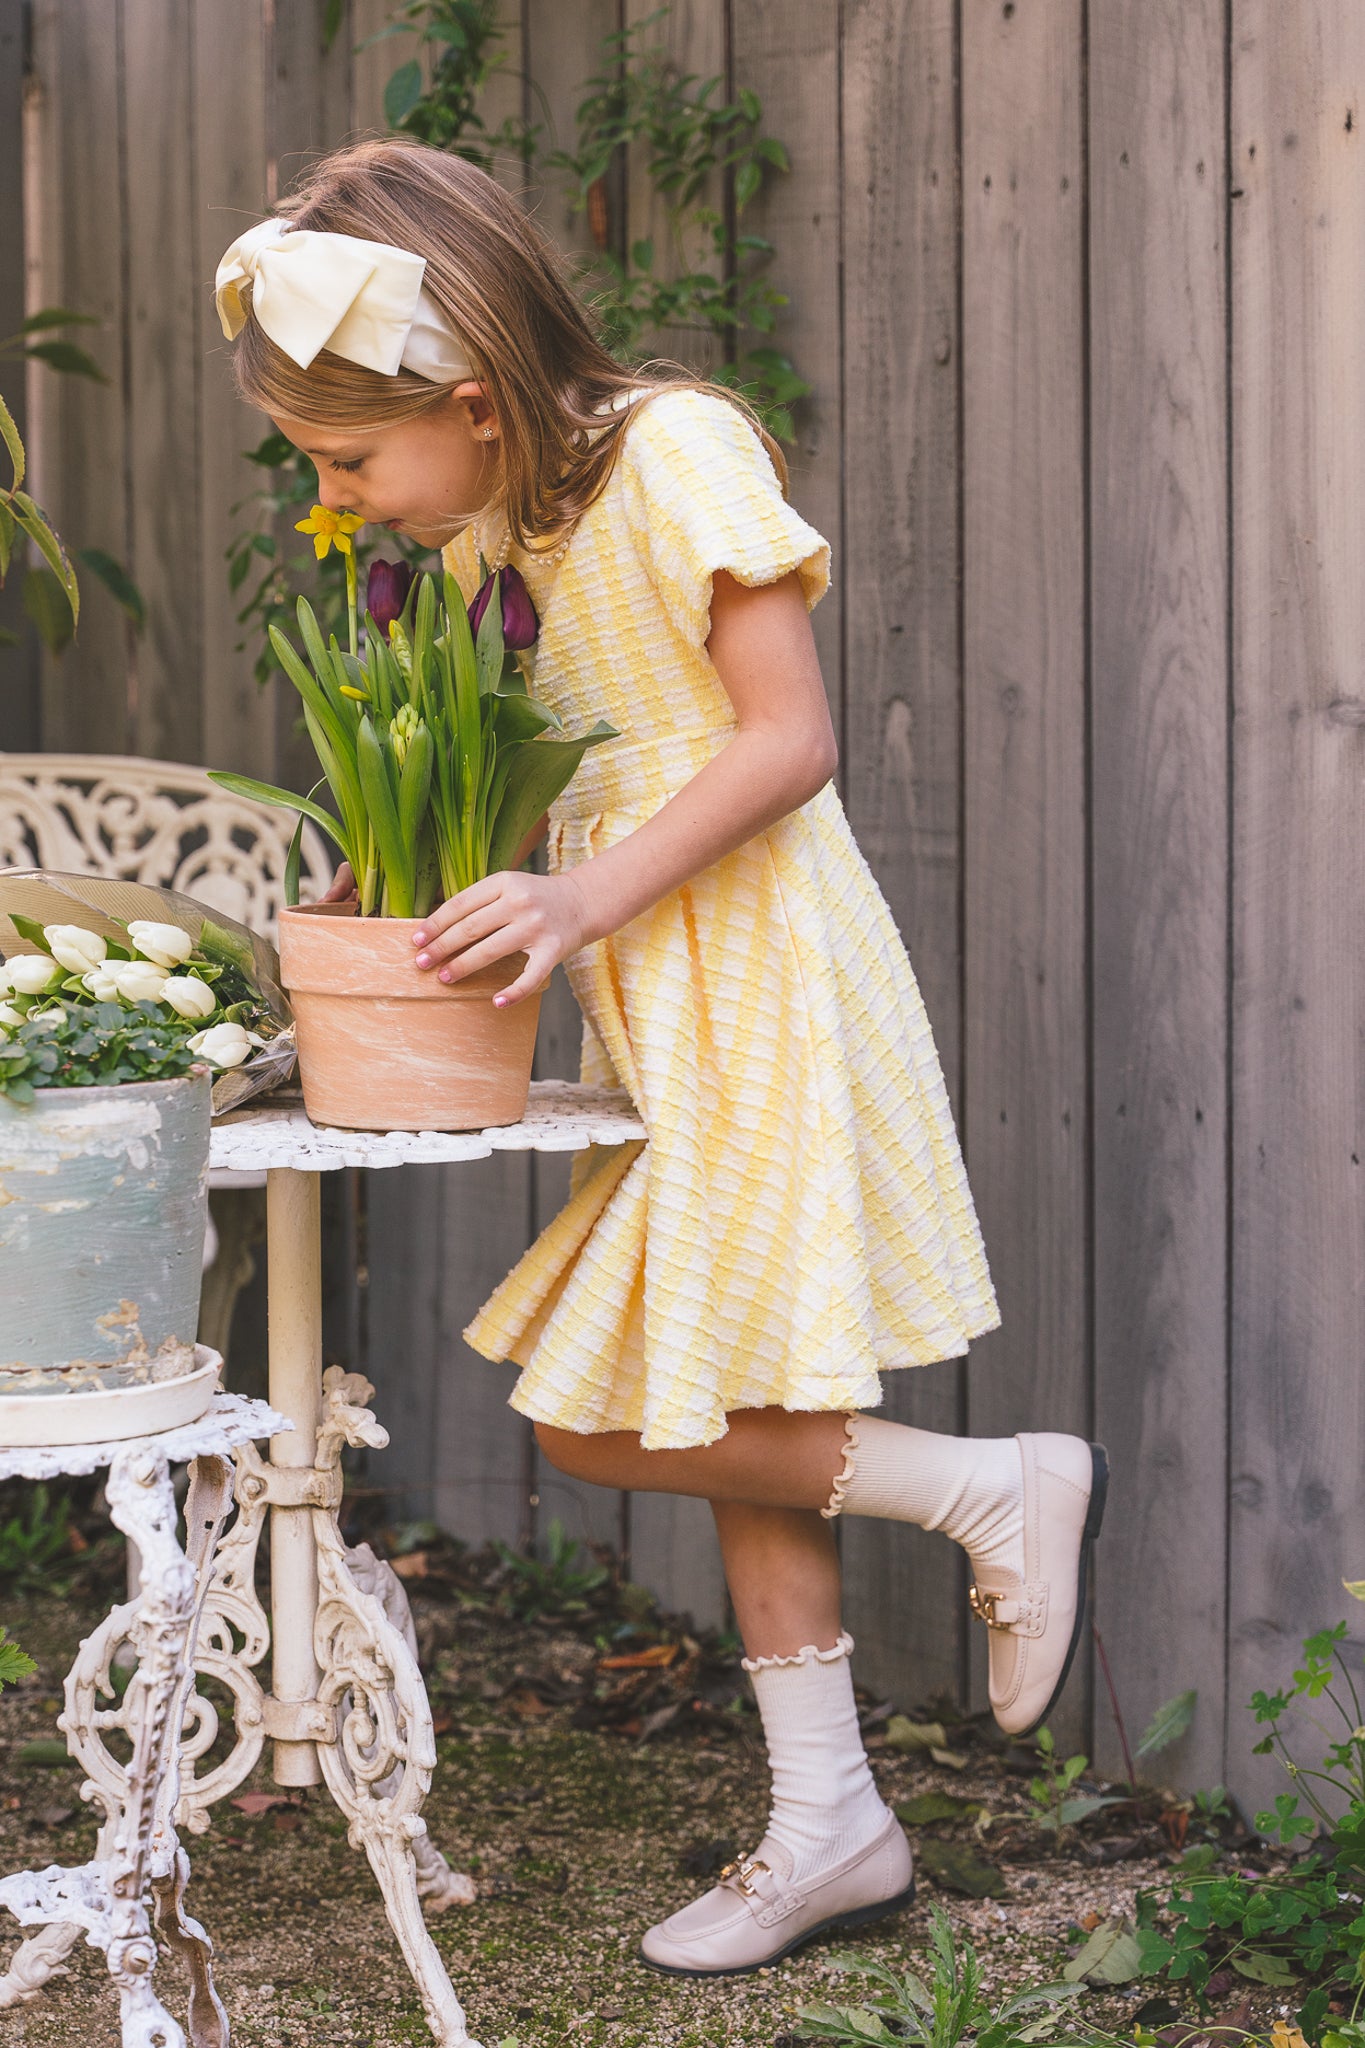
(86, 1010)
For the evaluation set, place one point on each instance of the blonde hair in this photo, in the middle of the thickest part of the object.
(506, 293)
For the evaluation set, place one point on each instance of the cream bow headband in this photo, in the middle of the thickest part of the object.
(361, 300)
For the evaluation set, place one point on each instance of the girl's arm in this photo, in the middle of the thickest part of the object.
(783, 751)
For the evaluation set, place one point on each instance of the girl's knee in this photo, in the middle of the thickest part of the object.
(566, 1451)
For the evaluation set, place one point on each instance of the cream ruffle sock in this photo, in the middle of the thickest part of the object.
(971, 1487)
(825, 1802)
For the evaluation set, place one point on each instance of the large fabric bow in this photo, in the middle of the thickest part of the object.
(361, 300)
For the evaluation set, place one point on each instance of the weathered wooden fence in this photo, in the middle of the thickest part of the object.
(1079, 291)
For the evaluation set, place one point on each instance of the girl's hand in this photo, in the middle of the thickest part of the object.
(343, 889)
(543, 916)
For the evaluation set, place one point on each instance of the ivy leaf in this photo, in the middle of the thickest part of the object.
(9, 433)
(45, 602)
(64, 355)
(402, 93)
(116, 581)
(57, 316)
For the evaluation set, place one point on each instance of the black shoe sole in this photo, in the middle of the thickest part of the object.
(862, 1916)
(1099, 1489)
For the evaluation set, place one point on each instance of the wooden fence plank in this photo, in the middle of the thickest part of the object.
(1298, 1193)
(82, 428)
(902, 727)
(161, 309)
(229, 156)
(19, 674)
(1158, 482)
(483, 1469)
(1025, 1088)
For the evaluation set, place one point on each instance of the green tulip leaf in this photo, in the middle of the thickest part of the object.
(540, 770)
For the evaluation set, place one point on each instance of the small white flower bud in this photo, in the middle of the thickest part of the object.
(74, 948)
(188, 996)
(31, 973)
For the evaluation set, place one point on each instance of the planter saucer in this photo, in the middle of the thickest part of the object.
(110, 1414)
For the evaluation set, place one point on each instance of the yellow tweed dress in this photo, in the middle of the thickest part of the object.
(799, 1219)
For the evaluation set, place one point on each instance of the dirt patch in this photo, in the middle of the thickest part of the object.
(589, 1791)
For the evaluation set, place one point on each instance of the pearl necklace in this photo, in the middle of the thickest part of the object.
(540, 556)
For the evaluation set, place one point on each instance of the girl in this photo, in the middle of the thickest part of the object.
(712, 1310)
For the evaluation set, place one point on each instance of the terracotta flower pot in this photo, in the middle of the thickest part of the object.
(384, 1048)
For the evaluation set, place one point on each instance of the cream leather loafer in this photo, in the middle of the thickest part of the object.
(757, 1914)
(1035, 1612)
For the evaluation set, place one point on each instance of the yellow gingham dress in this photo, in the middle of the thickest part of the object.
(799, 1219)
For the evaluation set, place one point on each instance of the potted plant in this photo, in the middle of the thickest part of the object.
(108, 1046)
(439, 761)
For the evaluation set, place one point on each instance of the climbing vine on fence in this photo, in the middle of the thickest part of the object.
(699, 289)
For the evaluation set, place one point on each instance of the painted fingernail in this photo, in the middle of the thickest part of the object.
(500, 1002)
(420, 938)
(424, 959)
(445, 975)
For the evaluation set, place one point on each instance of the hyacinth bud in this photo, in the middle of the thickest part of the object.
(401, 731)
(520, 625)
(386, 592)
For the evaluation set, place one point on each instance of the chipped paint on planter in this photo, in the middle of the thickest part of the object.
(103, 1195)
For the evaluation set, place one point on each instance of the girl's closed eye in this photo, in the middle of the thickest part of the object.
(349, 467)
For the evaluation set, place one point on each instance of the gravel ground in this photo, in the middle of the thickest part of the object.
(578, 1836)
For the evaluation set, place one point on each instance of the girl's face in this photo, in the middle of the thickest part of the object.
(425, 478)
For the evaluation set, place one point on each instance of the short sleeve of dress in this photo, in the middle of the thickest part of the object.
(702, 495)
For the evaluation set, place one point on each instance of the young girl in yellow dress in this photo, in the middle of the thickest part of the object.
(711, 1312)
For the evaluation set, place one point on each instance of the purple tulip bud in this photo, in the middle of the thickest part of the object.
(386, 592)
(520, 626)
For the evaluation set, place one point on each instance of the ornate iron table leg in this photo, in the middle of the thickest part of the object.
(105, 1897)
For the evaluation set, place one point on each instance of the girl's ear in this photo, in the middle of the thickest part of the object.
(477, 408)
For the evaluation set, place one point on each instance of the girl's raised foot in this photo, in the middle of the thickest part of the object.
(757, 1913)
(1031, 1593)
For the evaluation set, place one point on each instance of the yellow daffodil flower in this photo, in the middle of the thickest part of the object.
(329, 529)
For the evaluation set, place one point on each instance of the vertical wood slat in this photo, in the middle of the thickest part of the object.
(82, 427)
(19, 684)
(229, 154)
(163, 331)
(1026, 1082)
(1298, 854)
(905, 1590)
(673, 1543)
(1158, 478)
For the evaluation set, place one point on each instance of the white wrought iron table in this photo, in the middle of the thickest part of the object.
(138, 1848)
(347, 1706)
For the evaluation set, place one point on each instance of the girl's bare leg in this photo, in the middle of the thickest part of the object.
(783, 1573)
(767, 1458)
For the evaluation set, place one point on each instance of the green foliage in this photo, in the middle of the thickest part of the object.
(556, 1584)
(1309, 1923)
(35, 1545)
(694, 139)
(949, 2008)
(14, 1662)
(51, 596)
(463, 37)
(715, 290)
(93, 1045)
(1052, 1800)
(438, 759)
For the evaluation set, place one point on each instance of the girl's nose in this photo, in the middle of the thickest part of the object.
(332, 492)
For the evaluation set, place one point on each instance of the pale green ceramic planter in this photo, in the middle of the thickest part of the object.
(103, 1201)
